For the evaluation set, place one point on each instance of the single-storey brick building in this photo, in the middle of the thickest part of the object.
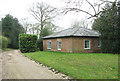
(73, 40)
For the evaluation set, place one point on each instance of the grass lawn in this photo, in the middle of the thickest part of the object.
(7, 49)
(80, 66)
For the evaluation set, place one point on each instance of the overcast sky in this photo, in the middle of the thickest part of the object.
(20, 10)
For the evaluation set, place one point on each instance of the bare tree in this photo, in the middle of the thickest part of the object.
(43, 13)
(94, 5)
(25, 24)
(83, 23)
(32, 28)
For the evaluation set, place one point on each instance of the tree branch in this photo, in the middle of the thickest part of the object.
(91, 6)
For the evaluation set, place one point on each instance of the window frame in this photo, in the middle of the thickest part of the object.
(58, 45)
(48, 43)
(85, 43)
(99, 43)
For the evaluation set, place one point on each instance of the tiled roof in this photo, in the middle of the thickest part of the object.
(78, 31)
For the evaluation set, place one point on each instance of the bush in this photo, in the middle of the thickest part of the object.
(3, 42)
(40, 44)
(27, 43)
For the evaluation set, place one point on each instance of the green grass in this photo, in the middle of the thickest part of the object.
(6, 49)
(80, 66)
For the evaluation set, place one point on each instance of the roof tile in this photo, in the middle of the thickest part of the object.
(78, 31)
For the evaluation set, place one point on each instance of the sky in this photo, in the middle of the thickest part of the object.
(20, 10)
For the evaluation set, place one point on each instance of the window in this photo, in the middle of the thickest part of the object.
(59, 45)
(87, 44)
(99, 43)
(48, 45)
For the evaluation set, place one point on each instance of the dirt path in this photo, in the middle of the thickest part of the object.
(16, 66)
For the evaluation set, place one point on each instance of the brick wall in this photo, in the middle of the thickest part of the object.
(72, 44)
(78, 44)
(66, 44)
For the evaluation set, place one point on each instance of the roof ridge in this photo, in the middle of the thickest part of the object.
(87, 30)
(76, 30)
(64, 30)
(92, 30)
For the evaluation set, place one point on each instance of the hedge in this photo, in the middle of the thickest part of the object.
(27, 43)
(40, 44)
(3, 42)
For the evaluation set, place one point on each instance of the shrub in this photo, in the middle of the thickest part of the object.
(40, 44)
(3, 42)
(27, 43)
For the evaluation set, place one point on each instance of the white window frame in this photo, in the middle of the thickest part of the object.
(85, 42)
(48, 43)
(59, 48)
(99, 43)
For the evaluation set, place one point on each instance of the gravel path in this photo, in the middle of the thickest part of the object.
(16, 66)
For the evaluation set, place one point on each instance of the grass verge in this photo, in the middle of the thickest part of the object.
(80, 66)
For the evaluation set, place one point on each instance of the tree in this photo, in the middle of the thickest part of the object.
(49, 28)
(43, 13)
(0, 27)
(82, 23)
(32, 28)
(106, 24)
(46, 31)
(94, 9)
(106, 19)
(118, 25)
(25, 24)
(11, 28)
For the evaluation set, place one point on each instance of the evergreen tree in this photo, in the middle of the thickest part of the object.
(11, 28)
(106, 24)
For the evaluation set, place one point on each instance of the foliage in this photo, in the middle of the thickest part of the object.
(0, 27)
(11, 28)
(44, 14)
(40, 44)
(80, 66)
(106, 24)
(27, 43)
(45, 32)
(3, 42)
